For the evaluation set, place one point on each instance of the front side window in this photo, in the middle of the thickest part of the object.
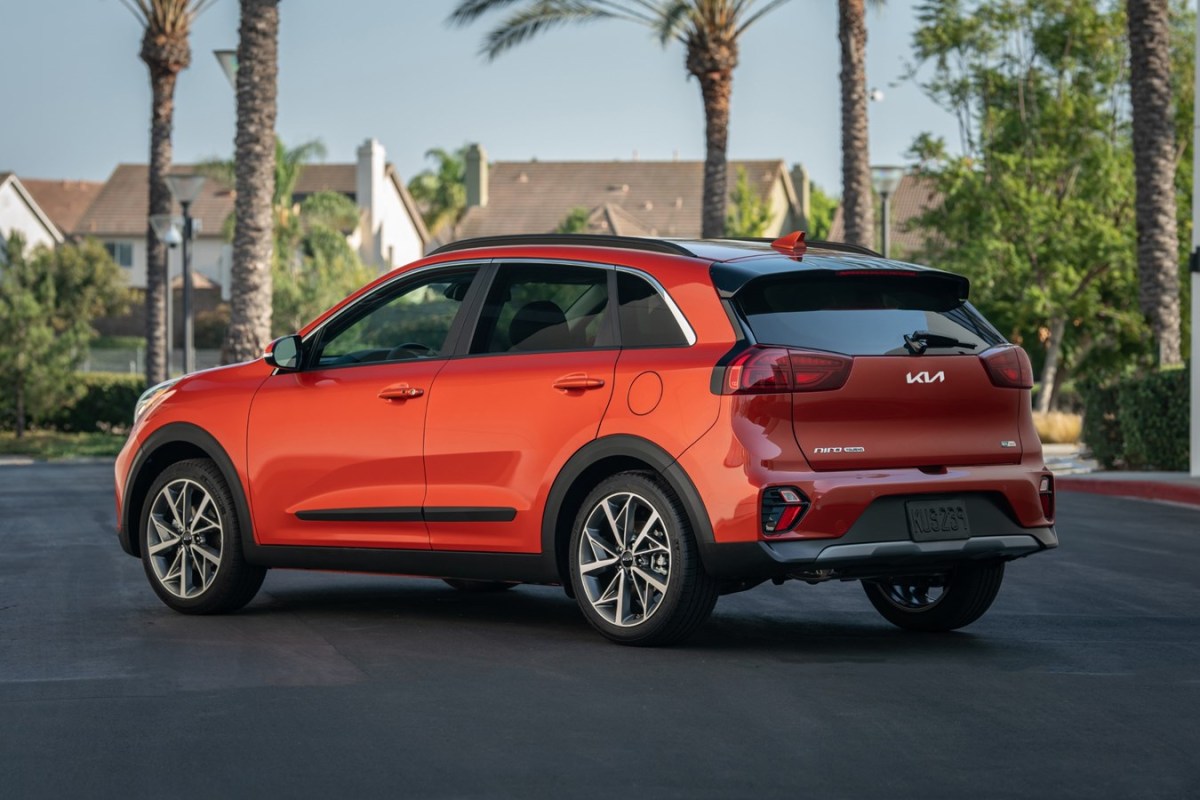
(544, 308)
(412, 320)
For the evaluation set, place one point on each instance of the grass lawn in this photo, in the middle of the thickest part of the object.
(52, 444)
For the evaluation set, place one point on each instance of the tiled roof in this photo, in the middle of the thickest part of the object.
(63, 201)
(657, 198)
(120, 207)
(913, 197)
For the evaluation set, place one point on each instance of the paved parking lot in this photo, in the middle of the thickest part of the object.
(1083, 681)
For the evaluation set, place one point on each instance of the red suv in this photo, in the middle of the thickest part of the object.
(649, 423)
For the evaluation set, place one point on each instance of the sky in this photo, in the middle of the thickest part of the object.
(76, 98)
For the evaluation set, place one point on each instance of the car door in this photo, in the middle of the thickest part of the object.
(504, 419)
(335, 449)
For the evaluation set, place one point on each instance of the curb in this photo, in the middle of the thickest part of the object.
(1145, 490)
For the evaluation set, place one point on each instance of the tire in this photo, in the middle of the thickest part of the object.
(477, 587)
(191, 542)
(965, 594)
(634, 564)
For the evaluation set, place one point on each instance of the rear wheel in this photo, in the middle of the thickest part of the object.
(937, 602)
(635, 567)
(191, 542)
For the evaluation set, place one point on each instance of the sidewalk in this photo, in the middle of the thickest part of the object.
(1073, 473)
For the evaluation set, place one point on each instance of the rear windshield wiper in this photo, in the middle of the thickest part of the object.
(918, 341)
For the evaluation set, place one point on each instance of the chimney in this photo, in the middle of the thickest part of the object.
(477, 176)
(803, 196)
(368, 190)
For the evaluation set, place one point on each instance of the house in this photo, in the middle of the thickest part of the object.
(390, 233)
(913, 197)
(43, 212)
(625, 198)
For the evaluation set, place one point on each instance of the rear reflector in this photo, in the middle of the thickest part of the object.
(1008, 367)
(782, 509)
(762, 370)
(1046, 495)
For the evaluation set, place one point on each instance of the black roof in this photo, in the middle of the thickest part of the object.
(734, 262)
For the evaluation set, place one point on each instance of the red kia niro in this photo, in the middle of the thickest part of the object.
(649, 423)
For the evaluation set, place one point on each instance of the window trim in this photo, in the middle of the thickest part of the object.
(454, 338)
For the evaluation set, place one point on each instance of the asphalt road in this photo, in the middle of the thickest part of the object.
(1082, 681)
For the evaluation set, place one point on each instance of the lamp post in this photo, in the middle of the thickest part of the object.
(886, 180)
(166, 228)
(185, 187)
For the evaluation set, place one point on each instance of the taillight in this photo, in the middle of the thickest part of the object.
(761, 370)
(1008, 367)
(1046, 495)
(782, 509)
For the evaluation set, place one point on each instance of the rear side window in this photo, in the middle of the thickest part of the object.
(646, 321)
(537, 308)
(865, 314)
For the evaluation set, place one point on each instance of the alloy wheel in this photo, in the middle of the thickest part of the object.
(185, 538)
(624, 559)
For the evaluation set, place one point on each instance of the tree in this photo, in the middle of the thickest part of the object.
(1154, 160)
(709, 30)
(749, 214)
(250, 277)
(312, 265)
(858, 202)
(165, 49)
(441, 192)
(820, 212)
(48, 299)
(576, 221)
(1038, 212)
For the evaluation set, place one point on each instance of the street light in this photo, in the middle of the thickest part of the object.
(166, 228)
(228, 61)
(886, 181)
(185, 187)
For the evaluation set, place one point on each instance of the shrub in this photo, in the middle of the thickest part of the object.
(1140, 422)
(107, 403)
(1058, 427)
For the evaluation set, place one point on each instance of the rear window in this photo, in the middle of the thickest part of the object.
(865, 314)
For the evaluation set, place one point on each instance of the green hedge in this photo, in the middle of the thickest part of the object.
(107, 403)
(1140, 422)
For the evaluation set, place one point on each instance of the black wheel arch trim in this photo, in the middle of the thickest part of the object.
(129, 525)
(623, 446)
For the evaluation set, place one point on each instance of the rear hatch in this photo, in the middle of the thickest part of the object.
(888, 367)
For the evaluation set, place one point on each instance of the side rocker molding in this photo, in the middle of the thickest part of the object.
(618, 447)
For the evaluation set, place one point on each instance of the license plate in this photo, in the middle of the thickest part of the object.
(937, 519)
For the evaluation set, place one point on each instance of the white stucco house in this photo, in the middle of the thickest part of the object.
(391, 231)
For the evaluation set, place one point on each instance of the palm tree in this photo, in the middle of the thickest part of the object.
(1154, 156)
(708, 29)
(441, 192)
(858, 203)
(250, 279)
(165, 49)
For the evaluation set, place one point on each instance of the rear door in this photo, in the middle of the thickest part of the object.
(503, 420)
(918, 391)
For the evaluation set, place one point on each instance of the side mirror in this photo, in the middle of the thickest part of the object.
(284, 353)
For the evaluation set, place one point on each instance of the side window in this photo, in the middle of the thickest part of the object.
(544, 307)
(412, 320)
(646, 321)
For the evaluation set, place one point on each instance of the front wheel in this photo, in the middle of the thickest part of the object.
(937, 602)
(635, 566)
(191, 542)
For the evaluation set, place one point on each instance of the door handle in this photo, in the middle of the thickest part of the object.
(400, 391)
(578, 380)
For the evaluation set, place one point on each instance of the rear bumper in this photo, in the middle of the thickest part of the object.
(831, 559)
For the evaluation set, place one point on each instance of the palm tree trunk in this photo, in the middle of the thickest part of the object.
(162, 85)
(858, 203)
(1058, 327)
(250, 292)
(1154, 169)
(716, 88)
